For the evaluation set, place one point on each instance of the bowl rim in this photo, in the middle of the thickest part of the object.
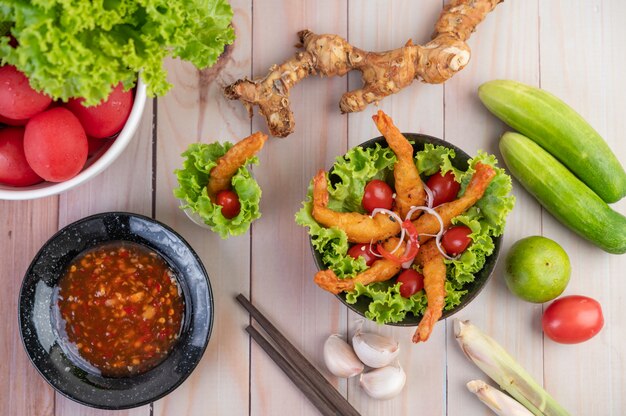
(488, 268)
(183, 377)
(45, 189)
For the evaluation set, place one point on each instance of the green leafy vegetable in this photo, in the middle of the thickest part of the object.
(486, 219)
(200, 158)
(78, 48)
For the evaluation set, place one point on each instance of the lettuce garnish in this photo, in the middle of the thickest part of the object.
(200, 158)
(78, 48)
(486, 220)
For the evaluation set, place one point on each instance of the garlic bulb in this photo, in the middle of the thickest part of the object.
(384, 383)
(340, 358)
(374, 350)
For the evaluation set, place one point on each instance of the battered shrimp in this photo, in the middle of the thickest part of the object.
(409, 187)
(434, 270)
(359, 228)
(429, 224)
(380, 271)
(221, 175)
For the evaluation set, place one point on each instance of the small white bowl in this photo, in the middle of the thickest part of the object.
(95, 164)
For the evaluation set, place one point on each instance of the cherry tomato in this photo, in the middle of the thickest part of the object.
(55, 144)
(13, 122)
(412, 282)
(572, 319)
(456, 239)
(444, 188)
(377, 195)
(17, 99)
(106, 118)
(229, 202)
(14, 169)
(364, 251)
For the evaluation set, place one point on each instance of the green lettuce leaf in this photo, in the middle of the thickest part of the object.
(353, 171)
(486, 220)
(78, 48)
(200, 158)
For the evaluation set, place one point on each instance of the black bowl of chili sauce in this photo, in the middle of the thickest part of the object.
(115, 310)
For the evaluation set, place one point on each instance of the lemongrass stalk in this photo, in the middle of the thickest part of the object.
(494, 361)
(500, 403)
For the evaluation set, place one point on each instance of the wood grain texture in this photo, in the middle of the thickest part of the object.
(282, 265)
(196, 111)
(505, 45)
(572, 49)
(379, 26)
(125, 186)
(581, 51)
(24, 227)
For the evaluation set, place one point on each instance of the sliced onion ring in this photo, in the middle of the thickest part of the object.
(430, 198)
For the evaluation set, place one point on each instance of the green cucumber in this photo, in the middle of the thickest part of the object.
(560, 130)
(563, 194)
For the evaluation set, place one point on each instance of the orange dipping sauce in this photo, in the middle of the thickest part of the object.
(122, 308)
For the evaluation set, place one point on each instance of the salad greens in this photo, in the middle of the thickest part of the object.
(200, 158)
(349, 176)
(79, 48)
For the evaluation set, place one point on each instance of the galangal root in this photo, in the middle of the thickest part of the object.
(383, 73)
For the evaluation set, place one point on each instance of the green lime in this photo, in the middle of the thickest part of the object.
(537, 269)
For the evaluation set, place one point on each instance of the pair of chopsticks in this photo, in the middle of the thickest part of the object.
(304, 375)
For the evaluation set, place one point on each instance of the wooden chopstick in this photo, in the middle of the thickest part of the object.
(299, 362)
(309, 391)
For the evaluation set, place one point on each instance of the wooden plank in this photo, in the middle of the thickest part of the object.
(193, 111)
(505, 45)
(125, 186)
(282, 265)
(24, 227)
(581, 59)
(378, 26)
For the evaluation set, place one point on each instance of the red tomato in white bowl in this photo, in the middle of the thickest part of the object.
(17, 99)
(55, 145)
(103, 158)
(107, 118)
(14, 169)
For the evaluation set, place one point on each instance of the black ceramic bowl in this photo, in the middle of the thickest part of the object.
(473, 288)
(44, 345)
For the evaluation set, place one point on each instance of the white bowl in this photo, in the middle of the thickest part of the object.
(95, 164)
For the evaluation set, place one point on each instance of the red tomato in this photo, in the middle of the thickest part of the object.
(94, 145)
(572, 319)
(229, 202)
(456, 239)
(412, 282)
(17, 99)
(444, 188)
(14, 169)
(377, 195)
(55, 144)
(13, 122)
(106, 118)
(364, 251)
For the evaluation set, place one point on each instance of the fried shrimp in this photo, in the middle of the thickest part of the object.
(434, 270)
(409, 187)
(429, 224)
(360, 228)
(380, 271)
(221, 175)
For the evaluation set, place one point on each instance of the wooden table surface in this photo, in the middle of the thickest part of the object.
(573, 48)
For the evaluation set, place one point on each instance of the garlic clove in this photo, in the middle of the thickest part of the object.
(375, 350)
(340, 358)
(384, 383)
